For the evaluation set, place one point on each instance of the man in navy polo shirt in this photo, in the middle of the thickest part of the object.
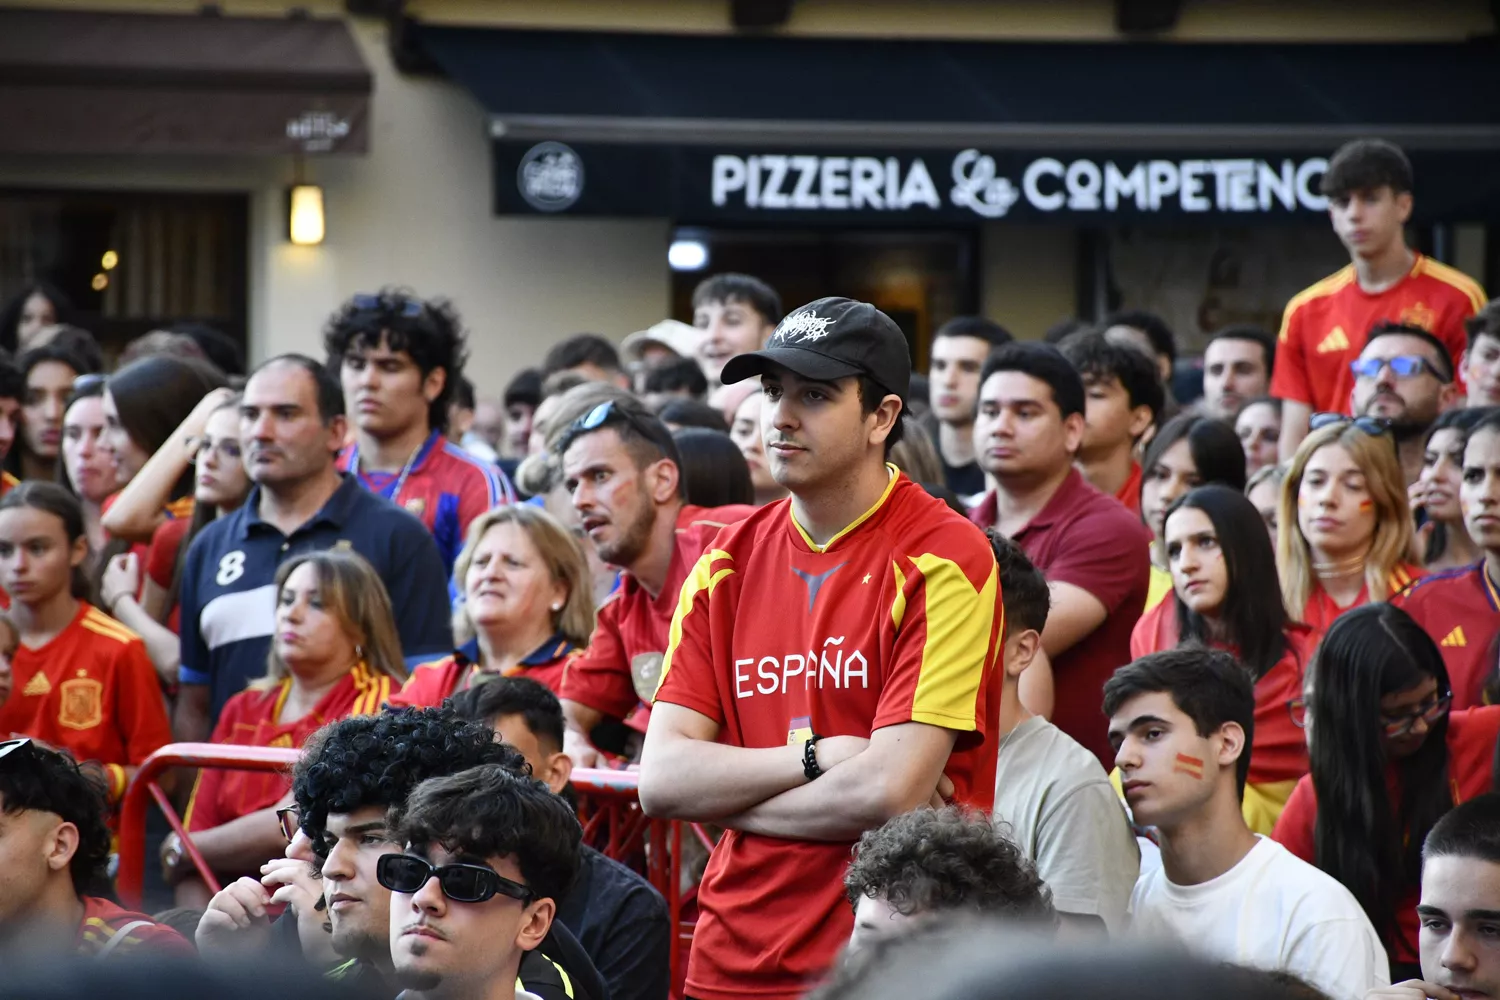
(291, 427)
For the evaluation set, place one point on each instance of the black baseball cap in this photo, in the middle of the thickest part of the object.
(829, 339)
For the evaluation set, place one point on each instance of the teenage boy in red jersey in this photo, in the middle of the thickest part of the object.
(55, 845)
(830, 664)
(1123, 400)
(1369, 185)
(623, 471)
(399, 360)
(1460, 609)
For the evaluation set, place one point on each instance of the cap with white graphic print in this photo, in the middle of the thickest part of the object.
(831, 339)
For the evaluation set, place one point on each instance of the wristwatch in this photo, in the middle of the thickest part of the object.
(171, 857)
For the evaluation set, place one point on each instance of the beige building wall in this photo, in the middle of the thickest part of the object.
(1029, 276)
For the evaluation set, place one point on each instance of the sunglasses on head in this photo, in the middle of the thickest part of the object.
(1373, 426)
(409, 308)
(406, 873)
(606, 412)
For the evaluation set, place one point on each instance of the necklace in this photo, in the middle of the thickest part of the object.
(1341, 568)
(395, 495)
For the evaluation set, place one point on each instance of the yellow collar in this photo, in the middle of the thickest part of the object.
(894, 473)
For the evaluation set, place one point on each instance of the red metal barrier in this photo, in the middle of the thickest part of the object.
(608, 808)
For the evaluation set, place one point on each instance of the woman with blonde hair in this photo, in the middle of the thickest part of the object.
(335, 653)
(527, 602)
(1344, 527)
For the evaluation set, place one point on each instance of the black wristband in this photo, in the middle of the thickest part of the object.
(810, 767)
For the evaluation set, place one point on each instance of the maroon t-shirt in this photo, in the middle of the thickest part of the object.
(1087, 539)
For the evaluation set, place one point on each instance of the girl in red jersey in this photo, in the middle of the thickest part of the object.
(1344, 528)
(1224, 576)
(80, 680)
(527, 602)
(1388, 760)
(335, 653)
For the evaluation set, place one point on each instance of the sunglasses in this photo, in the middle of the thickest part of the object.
(290, 818)
(409, 308)
(1392, 726)
(1405, 366)
(406, 873)
(607, 411)
(1373, 426)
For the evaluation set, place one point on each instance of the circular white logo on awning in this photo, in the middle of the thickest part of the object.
(550, 177)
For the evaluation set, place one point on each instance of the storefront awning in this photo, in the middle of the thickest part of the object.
(715, 90)
(80, 82)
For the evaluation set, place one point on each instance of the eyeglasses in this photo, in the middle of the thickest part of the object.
(1373, 426)
(290, 818)
(227, 450)
(406, 873)
(1404, 366)
(1391, 725)
(409, 308)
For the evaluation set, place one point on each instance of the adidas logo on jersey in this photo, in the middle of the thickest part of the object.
(1337, 340)
(37, 686)
(1455, 638)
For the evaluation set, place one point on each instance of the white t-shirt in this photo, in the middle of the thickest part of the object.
(1271, 911)
(1066, 817)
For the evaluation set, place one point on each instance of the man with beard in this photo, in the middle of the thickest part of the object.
(622, 469)
(1405, 376)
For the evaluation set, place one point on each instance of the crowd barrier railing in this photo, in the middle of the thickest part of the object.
(608, 808)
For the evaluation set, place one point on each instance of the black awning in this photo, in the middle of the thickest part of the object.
(577, 86)
(79, 82)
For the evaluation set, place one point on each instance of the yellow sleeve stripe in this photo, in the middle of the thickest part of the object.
(1457, 279)
(1328, 286)
(956, 648)
(97, 621)
(703, 579)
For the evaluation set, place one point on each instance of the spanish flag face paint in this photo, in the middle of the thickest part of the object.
(1188, 765)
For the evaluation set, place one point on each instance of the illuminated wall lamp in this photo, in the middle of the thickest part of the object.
(304, 214)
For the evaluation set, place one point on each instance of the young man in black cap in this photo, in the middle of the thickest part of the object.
(829, 660)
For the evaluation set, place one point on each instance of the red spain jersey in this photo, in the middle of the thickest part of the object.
(1278, 751)
(431, 683)
(445, 487)
(1320, 610)
(1130, 493)
(618, 670)
(252, 719)
(1471, 762)
(161, 559)
(91, 690)
(776, 638)
(1324, 327)
(1461, 611)
(103, 921)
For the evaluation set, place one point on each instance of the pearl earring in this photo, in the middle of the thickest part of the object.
(557, 607)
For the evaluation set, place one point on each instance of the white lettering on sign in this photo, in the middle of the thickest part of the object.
(809, 183)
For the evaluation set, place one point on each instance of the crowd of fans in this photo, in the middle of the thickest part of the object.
(1034, 647)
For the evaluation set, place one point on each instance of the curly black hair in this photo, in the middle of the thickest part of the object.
(376, 760)
(34, 778)
(947, 859)
(492, 811)
(433, 336)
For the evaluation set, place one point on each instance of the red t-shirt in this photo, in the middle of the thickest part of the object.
(1325, 327)
(102, 920)
(1471, 759)
(1278, 751)
(181, 510)
(1461, 611)
(1320, 610)
(91, 690)
(1130, 493)
(431, 683)
(161, 559)
(1084, 538)
(631, 631)
(250, 719)
(775, 638)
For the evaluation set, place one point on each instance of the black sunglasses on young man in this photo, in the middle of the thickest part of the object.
(407, 873)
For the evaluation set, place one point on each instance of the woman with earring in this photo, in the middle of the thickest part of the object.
(527, 603)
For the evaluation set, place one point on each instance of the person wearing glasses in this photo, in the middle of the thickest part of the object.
(1389, 758)
(1404, 376)
(623, 471)
(1226, 596)
(55, 839)
(1182, 724)
(1460, 609)
(1344, 531)
(488, 853)
(335, 653)
(399, 360)
(211, 437)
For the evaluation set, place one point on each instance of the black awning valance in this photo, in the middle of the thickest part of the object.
(850, 92)
(82, 82)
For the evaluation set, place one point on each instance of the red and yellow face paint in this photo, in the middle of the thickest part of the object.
(1188, 765)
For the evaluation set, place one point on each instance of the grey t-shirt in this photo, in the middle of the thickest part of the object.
(1065, 815)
